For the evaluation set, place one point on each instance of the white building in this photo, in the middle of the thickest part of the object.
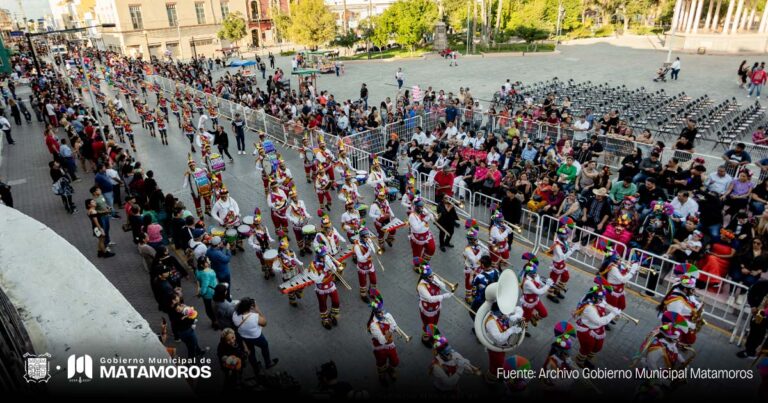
(357, 10)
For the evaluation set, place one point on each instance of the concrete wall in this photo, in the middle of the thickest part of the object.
(68, 307)
(718, 43)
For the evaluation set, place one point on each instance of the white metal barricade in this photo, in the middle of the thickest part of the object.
(592, 244)
(481, 207)
(404, 129)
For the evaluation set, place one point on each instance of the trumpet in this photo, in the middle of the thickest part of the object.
(513, 227)
(648, 270)
(452, 287)
(456, 203)
(403, 334)
(629, 318)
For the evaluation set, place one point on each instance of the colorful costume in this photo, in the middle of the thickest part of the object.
(422, 241)
(322, 272)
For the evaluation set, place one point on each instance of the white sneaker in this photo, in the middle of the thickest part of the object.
(749, 96)
(740, 299)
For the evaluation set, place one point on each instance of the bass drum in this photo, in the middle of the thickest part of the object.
(505, 294)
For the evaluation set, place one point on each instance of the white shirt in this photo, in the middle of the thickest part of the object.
(446, 382)
(49, 109)
(717, 183)
(684, 210)
(676, 64)
(221, 208)
(421, 138)
(451, 132)
(113, 176)
(247, 325)
(4, 123)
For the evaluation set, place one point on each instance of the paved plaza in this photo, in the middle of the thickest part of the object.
(295, 335)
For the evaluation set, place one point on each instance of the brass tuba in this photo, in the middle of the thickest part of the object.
(505, 294)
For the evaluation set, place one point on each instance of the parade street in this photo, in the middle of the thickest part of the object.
(295, 334)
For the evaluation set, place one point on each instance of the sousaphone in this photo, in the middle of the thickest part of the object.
(505, 294)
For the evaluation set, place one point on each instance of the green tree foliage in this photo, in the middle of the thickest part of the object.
(282, 23)
(405, 21)
(233, 27)
(312, 24)
(347, 40)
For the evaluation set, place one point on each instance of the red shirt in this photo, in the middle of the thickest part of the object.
(759, 77)
(52, 144)
(445, 182)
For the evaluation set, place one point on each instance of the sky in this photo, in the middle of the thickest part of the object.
(32, 8)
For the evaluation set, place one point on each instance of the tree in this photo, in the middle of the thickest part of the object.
(282, 23)
(531, 34)
(233, 27)
(347, 40)
(312, 24)
(409, 20)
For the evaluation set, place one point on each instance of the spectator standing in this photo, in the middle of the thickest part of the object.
(249, 322)
(758, 80)
(62, 186)
(5, 126)
(220, 257)
(675, 68)
(399, 77)
(446, 218)
(238, 125)
(96, 229)
(206, 285)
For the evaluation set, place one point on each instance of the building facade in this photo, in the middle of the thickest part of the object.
(179, 29)
(357, 11)
(261, 21)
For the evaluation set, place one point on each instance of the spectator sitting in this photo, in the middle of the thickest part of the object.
(742, 230)
(686, 250)
(622, 189)
(716, 261)
(719, 181)
(684, 205)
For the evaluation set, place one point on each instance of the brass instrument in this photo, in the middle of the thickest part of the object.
(338, 271)
(513, 227)
(630, 318)
(451, 286)
(648, 270)
(760, 314)
(456, 203)
(403, 334)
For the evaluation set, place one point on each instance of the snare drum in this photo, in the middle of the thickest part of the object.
(392, 193)
(269, 257)
(361, 177)
(231, 236)
(269, 147)
(244, 231)
(308, 230)
(218, 231)
(248, 220)
(217, 163)
(362, 209)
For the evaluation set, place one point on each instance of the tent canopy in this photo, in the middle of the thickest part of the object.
(242, 63)
(305, 72)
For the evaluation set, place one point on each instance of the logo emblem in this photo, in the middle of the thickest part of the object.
(79, 369)
(37, 368)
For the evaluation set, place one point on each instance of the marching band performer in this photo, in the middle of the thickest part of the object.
(259, 241)
(659, 351)
(533, 288)
(323, 185)
(199, 107)
(410, 194)
(176, 112)
(162, 103)
(213, 113)
(263, 164)
(189, 131)
(499, 240)
(325, 157)
(447, 365)
(128, 130)
(349, 188)
(681, 299)
(227, 213)
(327, 236)
(376, 177)
(381, 213)
(299, 217)
(283, 175)
(559, 356)
(382, 327)
(487, 276)
(288, 266)
(561, 250)
(592, 314)
(199, 182)
(615, 272)
(472, 254)
(432, 292)
(366, 272)
(117, 122)
(278, 204)
(350, 220)
(162, 126)
(322, 272)
(149, 121)
(422, 241)
(308, 157)
(499, 328)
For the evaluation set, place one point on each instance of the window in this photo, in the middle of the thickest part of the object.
(200, 11)
(224, 9)
(173, 19)
(136, 20)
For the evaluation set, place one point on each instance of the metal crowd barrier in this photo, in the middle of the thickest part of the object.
(590, 255)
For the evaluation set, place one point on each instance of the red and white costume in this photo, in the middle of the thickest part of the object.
(499, 236)
(325, 286)
(561, 251)
(326, 157)
(472, 255)
(533, 289)
(590, 327)
(381, 213)
(499, 330)
(278, 204)
(431, 294)
(349, 191)
(259, 241)
(382, 336)
(350, 223)
(288, 266)
(284, 178)
(299, 217)
(422, 241)
(376, 177)
(617, 275)
(365, 270)
(332, 241)
(686, 306)
(446, 373)
(310, 162)
(323, 186)
(226, 213)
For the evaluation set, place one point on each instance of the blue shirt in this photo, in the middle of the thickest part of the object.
(529, 154)
(450, 114)
(220, 263)
(731, 155)
(103, 182)
(481, 281)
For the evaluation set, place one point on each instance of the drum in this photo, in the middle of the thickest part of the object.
(361, 177)
(218, 231)
(362, 209)
(392, 193)
(269, 257)
(202, 182)
(244, 231)
(248, 220)
(269, 147)
(231, 236)
(308, 230)
(217, 163)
